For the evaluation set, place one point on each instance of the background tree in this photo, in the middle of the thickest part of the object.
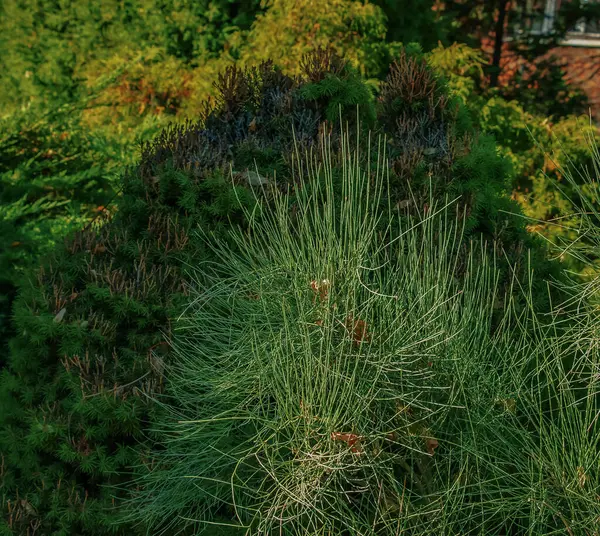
(534, 30)
(415, 21)
(50, 48)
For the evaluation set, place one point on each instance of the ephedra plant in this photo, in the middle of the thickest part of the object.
(316, 363)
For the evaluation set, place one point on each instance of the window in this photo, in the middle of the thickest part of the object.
(532, 17)
(583, 28)
(537, 17)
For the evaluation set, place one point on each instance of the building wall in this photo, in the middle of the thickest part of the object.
(582, 67)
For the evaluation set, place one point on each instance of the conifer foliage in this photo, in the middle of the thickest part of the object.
(93, 323)
(54, 176)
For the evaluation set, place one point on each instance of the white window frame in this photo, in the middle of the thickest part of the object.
(549, 15)
(577, 38)
(580, 37)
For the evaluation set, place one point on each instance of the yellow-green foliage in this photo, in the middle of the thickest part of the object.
(51, 47)
(461, 65)
(150, 83)
(547, 197)
(288, 29)
(533, 144)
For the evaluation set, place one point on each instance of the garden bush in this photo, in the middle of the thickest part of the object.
(92, 324)
(54, 178)
(330, 379)
(313, 366)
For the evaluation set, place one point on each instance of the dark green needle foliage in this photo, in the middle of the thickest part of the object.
(89, 323)
(93, 322)
(54, 177)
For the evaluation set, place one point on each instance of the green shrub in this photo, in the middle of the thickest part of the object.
(536, 147)
(92, 323)
(327, 380)
(54, 177)
(311, 370)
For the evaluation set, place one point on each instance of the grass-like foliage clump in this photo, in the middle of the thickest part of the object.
(313, 372)
(337, 375)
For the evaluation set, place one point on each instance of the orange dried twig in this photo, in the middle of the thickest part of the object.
(358, 330)
(352, 440)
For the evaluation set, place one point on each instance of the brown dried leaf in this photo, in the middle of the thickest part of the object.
(352, 440)
(432, 444)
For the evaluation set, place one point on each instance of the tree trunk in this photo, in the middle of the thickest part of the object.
(498, 41)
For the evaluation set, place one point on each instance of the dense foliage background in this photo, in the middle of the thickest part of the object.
(119, 122)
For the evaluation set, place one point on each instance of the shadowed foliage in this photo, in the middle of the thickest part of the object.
(93, 322)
